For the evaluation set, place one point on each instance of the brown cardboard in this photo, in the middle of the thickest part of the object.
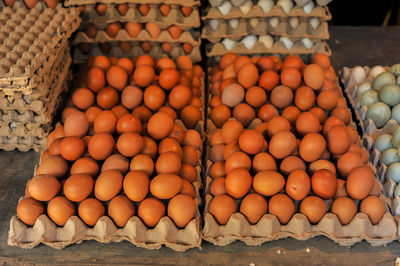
(175, 16)
(30, 43)
(24, 144)
(283, 29)
(155, 2)
(218, 49)
(276, 11)
(300, 3)
(136, 50)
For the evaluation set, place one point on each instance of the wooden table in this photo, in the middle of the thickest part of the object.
(351, 46)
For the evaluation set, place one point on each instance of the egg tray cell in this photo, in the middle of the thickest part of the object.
(135, 50)
(175, 16)
(69, 3)
(303, 30)
(192, 37)
(23, 144)
(29, 41)
(218, 49)
(238, 3)
(276, 11)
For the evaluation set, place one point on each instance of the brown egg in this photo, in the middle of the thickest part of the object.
(108, 185)
(190, 116)
(347, 162)
(298, 184)
(277, 124)
(220, 114)
(181, 209)
(221, 207)
(345, 209)
(322, 60)
(256, 96)
(144, 75)
(168, 163)
(327, 100)
(83, 98)
(92, 113)
(112, 29)
(244, 113)
(321, 164)
(175, 31)
(188, 172)
(216, 153)
(72, 148)
(150, 147)
(232, 95)
(170, 145)
(53, 165)
(268, 183)
(90, 210)
(101, 9)
(263, 161)
(165, 186)
(96, 79)
(43, 187)
(251, 141)
(304, 98)
(360, 182)
(282, 207)
(160, 125)
(314, 76)
(76, 124)
(78, 187)
(282, 144)
(184, 62)
(116, 162)
(131, 97)
(151, 210)
(168, 78)
(229, 149)
(117, 77)
(354, 137)
(253, 207)
(216, 138)
(136, 185)
(343, 114)
(281, 96)
(338, 140)
(247, 75)
(324, 183)
(128, 123)
(102, 62)
(187, 189)
(291, 77)
(190, 155)
(268, 80)
(314, 208)
(54, 148)
(143, 113)
(179, 96)
(105, 122)
(217, 186)
(306, 123)
(192, 138)
(107, 97)
(121, 209)
(341, 188)
(265, 63)
(60, 209)
(374, 207)
(133, 28)
(291, 163)
(319, 113)
(165, 9)
(312, 146)
(217, 170)
(266, 112)
(126, 64)
(154, 97)
(237, 160)
(293, 61)
(238, 182)
(227, 59)
(130, 144)
(142, 162)
(28, 210)
(186, 10)
(177, 133)
(101, 146)
(330, 123)
(170, 111)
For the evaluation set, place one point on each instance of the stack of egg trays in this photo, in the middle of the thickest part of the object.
(269, 229)
(370, 133)
(189, 25)
(34, 65)
(244, 27)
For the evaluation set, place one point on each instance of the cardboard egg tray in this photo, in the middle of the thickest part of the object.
(30, 40)
(24, 144)
(69, 3)
(276, 11)
(136, 50)
(238, 3)
(262, 27)
(218, 49)
(175, 16)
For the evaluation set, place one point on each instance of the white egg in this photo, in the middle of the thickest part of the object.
(393, 172)
(267, 40)
(294, 22)
(375, 71)
(246, 7)
(308, 8)
(286, 42)
(213, 23)
(228, 43)
(358, 74)
(286, 5)
(249, 41)
(308, 44)
(314, 23)
(266, 5)
(365, 86)
(233, 23)
(254, 22)
(237, 2)
(225, 7)
(274, 21)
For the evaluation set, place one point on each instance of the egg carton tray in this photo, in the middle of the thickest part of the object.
(29, 41)
(69, 3)
(191, 37)
(238, 3)
(256, 11)
(20, 129)
(175, 16)
(136, 50)
(262, 27)
(23, 144)
(218, 49)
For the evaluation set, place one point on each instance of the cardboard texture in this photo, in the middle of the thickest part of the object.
(218, 49)
(24, 144)
(156, 2)
(238, 3)
(136, 50)
(224, 30)
(276, 11)
(31, 39)
(175, 16)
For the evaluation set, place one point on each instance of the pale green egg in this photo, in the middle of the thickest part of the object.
(390, 156)
(395, 69)
(369, 97)
(379, 113)
(383, 79)
(383, 142)
(390, 94)
(393, 172)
